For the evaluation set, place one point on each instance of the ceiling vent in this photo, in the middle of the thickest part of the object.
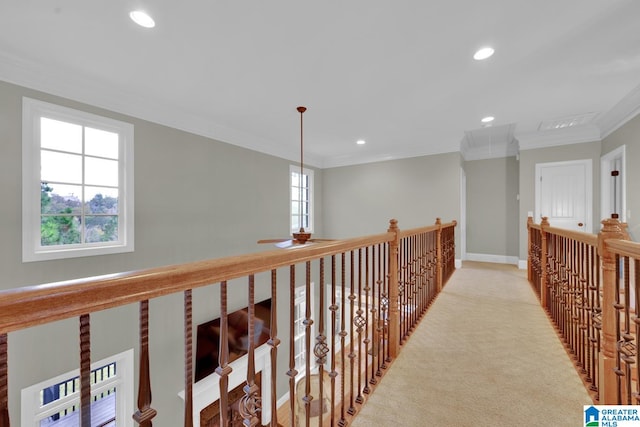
(568, 121)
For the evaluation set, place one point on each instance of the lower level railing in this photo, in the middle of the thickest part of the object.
(370, 294)
(589, 286)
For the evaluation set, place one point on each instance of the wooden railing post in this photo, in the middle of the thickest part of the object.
(544, 262)
(439, 260)
(394, 313)
(608, 379)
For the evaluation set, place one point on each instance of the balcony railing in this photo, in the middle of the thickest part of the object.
(589, 286)
(387, 281)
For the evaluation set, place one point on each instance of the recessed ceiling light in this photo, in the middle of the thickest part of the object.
(361, 142)
(483, 53)
(142, 18)
(488, 119)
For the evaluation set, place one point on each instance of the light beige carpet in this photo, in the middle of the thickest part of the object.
(484, 354)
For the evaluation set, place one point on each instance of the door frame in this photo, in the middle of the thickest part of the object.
(605, 183)
(589, 188)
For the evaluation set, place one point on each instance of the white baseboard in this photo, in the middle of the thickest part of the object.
(458, 263)
(522, 264)
(498, 259)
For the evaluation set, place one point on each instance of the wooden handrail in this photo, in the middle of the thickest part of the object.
(377, 281)
(623, 248)
(591, 285)
(426, 229)
(35, 305)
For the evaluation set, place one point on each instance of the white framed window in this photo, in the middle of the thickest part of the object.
(77, 183)
(301, 196)
(57, 401)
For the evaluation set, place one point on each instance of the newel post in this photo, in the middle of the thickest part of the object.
(611, 229)
(439, 260)
(394, 312)
(544, 261)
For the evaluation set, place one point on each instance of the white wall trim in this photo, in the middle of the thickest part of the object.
(605, 187)
(621, 113)
(522, 264)
(497, 259)
(463, 214)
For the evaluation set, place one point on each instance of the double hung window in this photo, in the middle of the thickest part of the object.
(77, 183)
(301, 185)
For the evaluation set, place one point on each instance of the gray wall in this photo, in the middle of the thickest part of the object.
(361, 199)
(195, 198)
(492, 206)
(528, 161)
(629, 135)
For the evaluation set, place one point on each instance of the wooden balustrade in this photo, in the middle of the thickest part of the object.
(589, 286)
(380, 286)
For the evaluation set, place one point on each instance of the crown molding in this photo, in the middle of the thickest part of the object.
(489, 143)
(621, 113)
(62, 83)
(556, 137)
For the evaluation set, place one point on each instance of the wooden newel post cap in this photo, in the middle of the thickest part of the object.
(545, 221)
(393, 225)
(611, 229)
(438, 221)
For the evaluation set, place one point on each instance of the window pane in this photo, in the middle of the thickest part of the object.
(59, 135)
(295, 179)
(59, 230)
(60, 167)
(295, 207)
(103, 228)
(101, 200)
(101, 143)
(60, 198)
(101, 172)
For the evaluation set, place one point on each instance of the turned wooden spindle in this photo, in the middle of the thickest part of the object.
(4, 381)
(85, 371)
(188, 358)
(274, 342)
(394, 313)
(223, 369)
(145, 413)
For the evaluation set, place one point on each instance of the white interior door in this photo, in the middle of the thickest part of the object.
(564, 194)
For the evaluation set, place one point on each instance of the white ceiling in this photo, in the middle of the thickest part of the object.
(399, 74)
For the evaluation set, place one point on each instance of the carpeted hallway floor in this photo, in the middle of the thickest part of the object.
(484, 354)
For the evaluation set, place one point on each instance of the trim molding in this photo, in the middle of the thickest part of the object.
(556, 137)
(522, 264)
(497, 259)
(621, 113)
